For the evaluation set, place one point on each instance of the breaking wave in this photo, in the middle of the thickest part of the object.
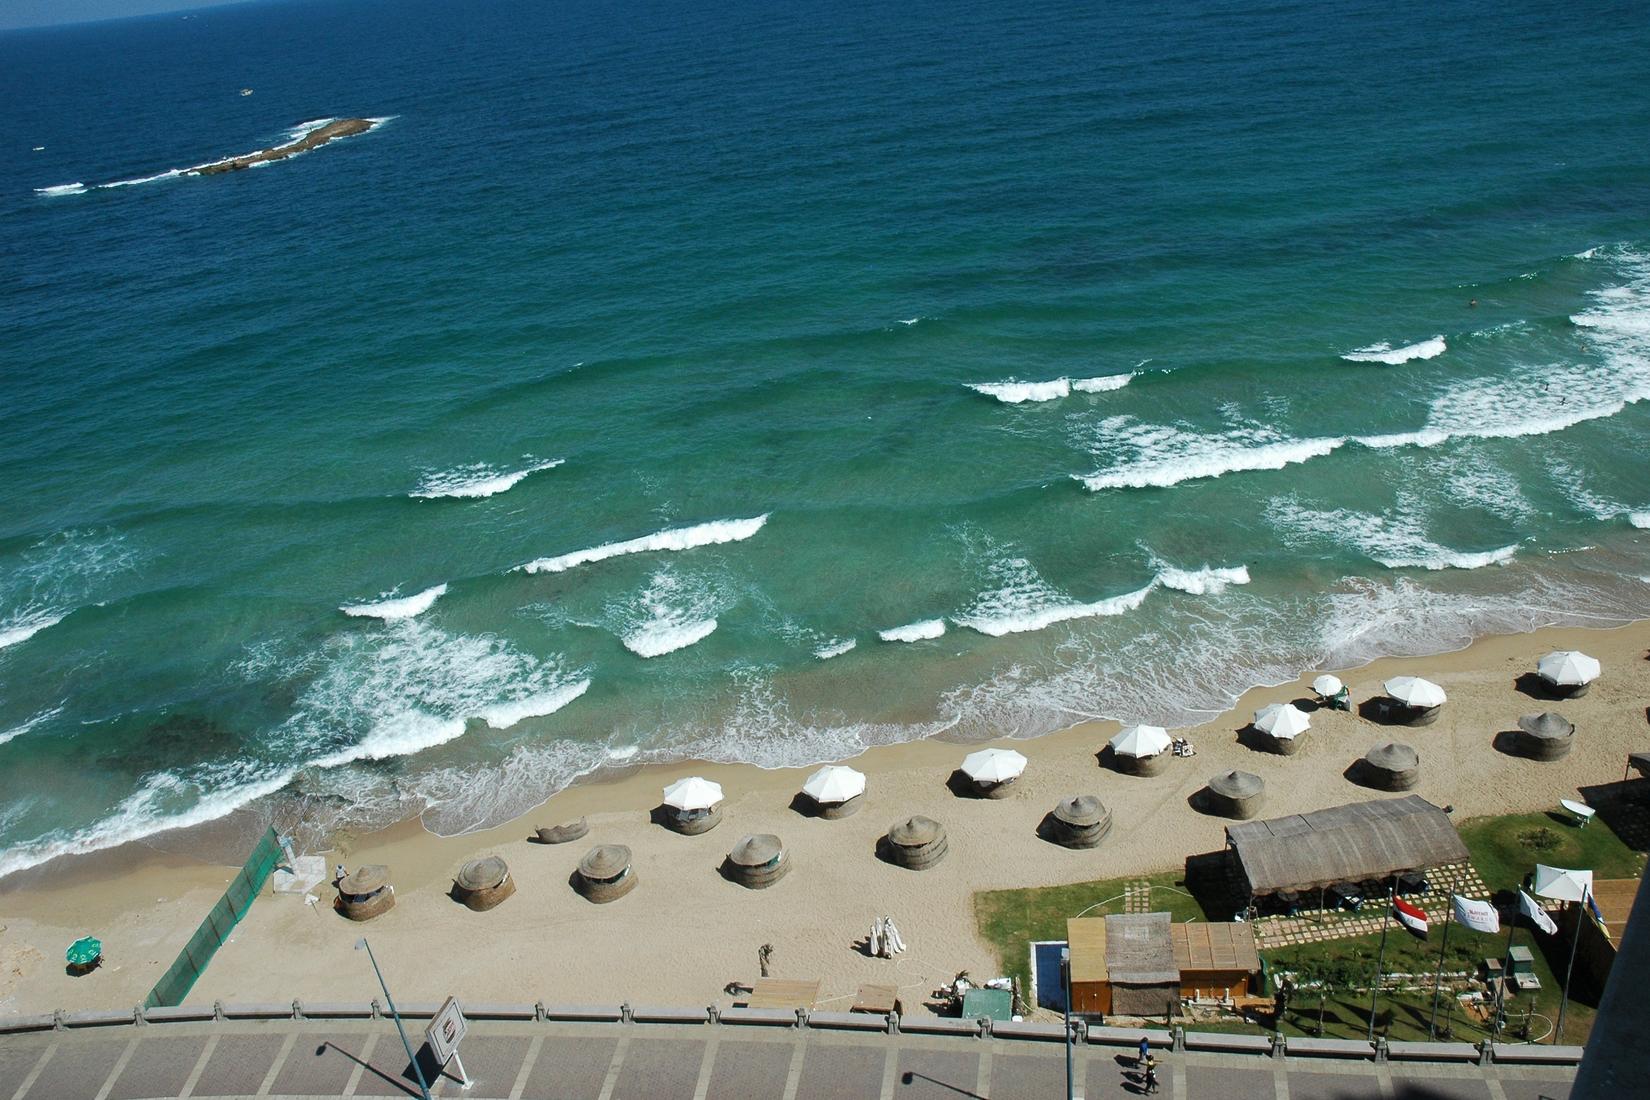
(26, 624)
(475, 480)
(674, 612)
(1394, 540)
(679, 538)
(1207, 581)
(925, 631)
(1386, 353)
(502, 716)
(19, 730)
(396, 607)
(1016, 393)
(76, 188)
(835, 648)
(1163, 456)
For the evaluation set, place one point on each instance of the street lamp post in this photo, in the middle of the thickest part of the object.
(1065, 973)
(418, 1072)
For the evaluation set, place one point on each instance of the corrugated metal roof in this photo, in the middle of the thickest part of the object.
(1361, 840)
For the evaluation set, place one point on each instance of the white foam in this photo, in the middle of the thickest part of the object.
(1386, 353)
(996, 623)
(909, 321)
(1163, 456)
(667, 636)
(835, 648)
(1207, 581)
(397, 607)
(25, 625)
(680, 538)
(76, 188)
(623, 752)
(303, 129)
(400, 734)
(475, 480)
(501, 716)
(924, 631)
(1395, 540)
(675, 610)
(1639, 519)
(1103, 384)
(19, 730)
(1015, 393)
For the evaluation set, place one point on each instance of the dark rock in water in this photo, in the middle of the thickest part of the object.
(342, 128)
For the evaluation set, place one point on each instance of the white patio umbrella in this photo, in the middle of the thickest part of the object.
(1567, 667)
(834, 783)
(1415, 692)
(693, 793)
(1560, 884)
(1140, 741)
(993, 765)
(1282, 720)
(1327, 685)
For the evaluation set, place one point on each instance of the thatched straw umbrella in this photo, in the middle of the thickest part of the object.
(1546, 736)
(1391, 766)
(561, 834)
(836, 790)
(1282, 724)
(1141, 750)
(1237, 794)
(1567, 673)
(1413, 701)
(366, 893)
(693, 805)
(1080, 821)
(917, 843)
(484, 883)
(605, 873)
(758, 861)
(992, 772)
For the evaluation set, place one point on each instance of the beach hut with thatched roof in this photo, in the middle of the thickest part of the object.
(605, 873)
(1140, 750)
(1412, 701)
(481, 884)
(1546, 736)
(1567, 673)
(1081, 821)
(917, 842)
(1281, 726)
(836, 791)
(758, 861)
(992, 772)
(1390, 766)
(693, 805)
(1236, 794)
(366, 893)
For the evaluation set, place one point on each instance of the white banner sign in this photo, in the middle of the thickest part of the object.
(1480, 916)
(445, 1031)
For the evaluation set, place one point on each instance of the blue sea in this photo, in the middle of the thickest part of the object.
(764, 381)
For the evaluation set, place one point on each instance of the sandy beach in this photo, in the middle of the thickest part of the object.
(685, 932)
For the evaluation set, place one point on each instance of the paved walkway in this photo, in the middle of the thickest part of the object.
(537, 1061)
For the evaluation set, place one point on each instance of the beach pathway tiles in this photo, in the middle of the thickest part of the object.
(238, 1065)
(936, 1074)
(841, 1072)
(1019, 1077)
(1333, 1086)
(319, 1065)
(660, 1069)
(1208, 1082)
(158, 1068)
(78, 1068)
(570, 1069)
(749, 1071)
(493, 1062)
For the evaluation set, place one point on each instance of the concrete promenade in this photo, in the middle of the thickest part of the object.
(302, 1059)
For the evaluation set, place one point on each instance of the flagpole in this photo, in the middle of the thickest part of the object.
(1569, 970)
(1438, 981)
(1380, 957)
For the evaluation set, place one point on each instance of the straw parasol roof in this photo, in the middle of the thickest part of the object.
(1393, 756)
(693, 793)
(757, 850)
(605, 861)
(1546, 724)
(482, 874)
(1140, 741)
(993, 765)
(834, 783)
(1567, 667)
(365, 880)
(1083, 811)
(1327, 685)
(1415, 692)
(1282, 720)
(1235, 784)
(914, 832)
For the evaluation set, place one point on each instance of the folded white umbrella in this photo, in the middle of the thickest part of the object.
(993, 765)
(1415, 692)
(834, 783)
(1140, 741)
(1282, 720)
(1567, 667)
(1327, 685)
(1560, 884)
(693, 793)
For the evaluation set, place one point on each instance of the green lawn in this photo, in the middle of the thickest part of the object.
(1505, 849)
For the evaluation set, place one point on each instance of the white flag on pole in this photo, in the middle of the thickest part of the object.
(1538, 916)
(1480, 916)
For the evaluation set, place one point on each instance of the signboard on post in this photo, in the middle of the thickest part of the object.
(444, 1034)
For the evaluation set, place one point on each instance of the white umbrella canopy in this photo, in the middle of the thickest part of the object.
(1283, 720)
(1567, 667)
(993, 765)
(1140, 741)
(1560, 884)
(1414, 691)
(834, 783)
(693, 793)
(1327, 685)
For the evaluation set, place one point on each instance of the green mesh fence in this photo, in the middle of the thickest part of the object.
(181, 976)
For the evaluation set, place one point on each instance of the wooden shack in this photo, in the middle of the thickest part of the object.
(1217, 961)
(1123, 965)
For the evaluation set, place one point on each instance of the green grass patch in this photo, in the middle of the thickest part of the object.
(1505, 849)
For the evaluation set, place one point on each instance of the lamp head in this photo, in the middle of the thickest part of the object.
(361, 943)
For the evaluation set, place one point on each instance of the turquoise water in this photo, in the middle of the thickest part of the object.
(1336, 325)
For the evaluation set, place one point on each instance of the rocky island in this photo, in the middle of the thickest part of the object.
(338, 128)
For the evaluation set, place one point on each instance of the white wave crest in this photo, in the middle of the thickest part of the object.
(1159, 456)
(401, 734)
(1015, 393)
(1639, 519)
(501, 716)
(667, 636)
(396, 607)
(835, 648)
(1386, 353)
(19, 730)
(1395, 540)
(924, 631)
(26, 624)
(1103, 384)
(1012, 620)
(475, 480)
(676, 610)
(680, 538)
(75, 188)
(1207, 581)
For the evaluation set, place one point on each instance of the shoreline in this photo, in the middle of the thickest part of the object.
(145, 901)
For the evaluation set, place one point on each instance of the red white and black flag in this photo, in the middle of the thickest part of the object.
(1411, 916)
